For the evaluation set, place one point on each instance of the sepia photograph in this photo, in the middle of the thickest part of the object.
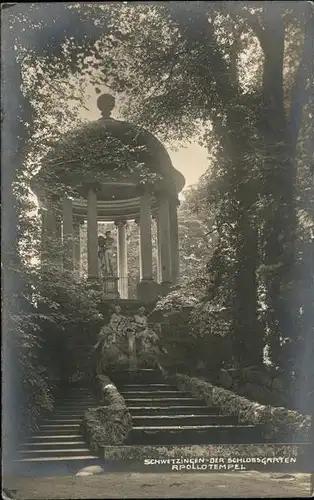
(157, 164)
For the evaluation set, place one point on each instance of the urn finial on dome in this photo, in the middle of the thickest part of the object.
(105, 104)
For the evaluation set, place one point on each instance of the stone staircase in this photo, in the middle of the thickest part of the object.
(163, 415)
(59, 439)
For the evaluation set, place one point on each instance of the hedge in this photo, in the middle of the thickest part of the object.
(111, 423)
(278, 422)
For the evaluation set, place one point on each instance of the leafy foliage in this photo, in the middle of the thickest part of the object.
(111, 423)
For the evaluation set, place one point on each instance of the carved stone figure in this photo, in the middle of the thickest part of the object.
(126, 342)
(105, 254)
(112, 344)
(146, 339)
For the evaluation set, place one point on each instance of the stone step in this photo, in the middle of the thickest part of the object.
(75, 403)
(73, 408)
(58, 425)
(154, 394)
(58, 430)
(73, 398)
(174, 410)
(136, 377)
(148, 387)
(183, 420)
(136, 380)
(76, 391)
(57, 458)
(53, 445)
(78, 400)
(64, 452)
(191, 434)
(137, 371)
(61, 420)
(69, 414)
(75, 395)
(46, 437)
(75, 413)
(77, 407)
(79, 386)
(162, 401)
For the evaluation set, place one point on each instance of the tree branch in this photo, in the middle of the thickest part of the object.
(169, 76)
(198, 33)
(237, 9)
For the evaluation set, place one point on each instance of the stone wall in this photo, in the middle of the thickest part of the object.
(209, 357)
(261, 384)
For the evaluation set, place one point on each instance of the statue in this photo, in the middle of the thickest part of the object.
(127, 342)
(105, 245)
(146, 339)
(112, 345)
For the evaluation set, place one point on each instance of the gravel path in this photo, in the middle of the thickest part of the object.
(170, 485)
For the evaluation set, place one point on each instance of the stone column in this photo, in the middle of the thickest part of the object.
(146, 262)
(147, 290)
(68, 236)
(59, 240)
(156, 218)
(50, 247)
(174, 238)
(122, 260)
(164, 236)
(77, 246)
(92, 235)
(137, 222)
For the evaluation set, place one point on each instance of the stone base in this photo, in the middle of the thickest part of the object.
(147, 291)
(111, 287)
(164, 287)
(205, 453)
(94, 283)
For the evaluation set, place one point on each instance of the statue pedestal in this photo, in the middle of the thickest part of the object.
(94, 283)
(147, 291)
(111, 287)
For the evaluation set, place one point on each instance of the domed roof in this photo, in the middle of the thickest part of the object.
(109, 149)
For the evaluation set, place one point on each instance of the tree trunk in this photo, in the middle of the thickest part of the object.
(247, 332)
(231, 124)
(279, 195)
(13, 137)
(248, 341)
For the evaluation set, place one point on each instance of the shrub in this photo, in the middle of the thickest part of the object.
(175, 301)
(192, 334)
(278, 422)
(34, 385)
(111, 423)
(70, 321)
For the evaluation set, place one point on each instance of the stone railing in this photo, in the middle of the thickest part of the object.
(278, 423)
(111, 422)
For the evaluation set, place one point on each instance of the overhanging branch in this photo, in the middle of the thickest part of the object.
(236, 9)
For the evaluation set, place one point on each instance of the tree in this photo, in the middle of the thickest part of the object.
(38, 36)
(204, 44)
(196, 234)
